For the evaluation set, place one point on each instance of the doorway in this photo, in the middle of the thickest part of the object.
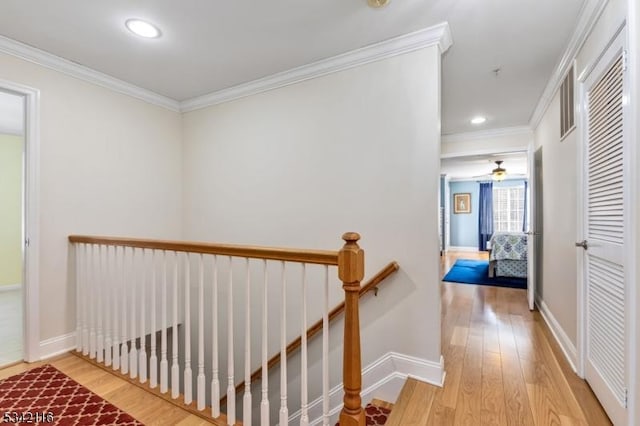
(12, 144)
(19, 245)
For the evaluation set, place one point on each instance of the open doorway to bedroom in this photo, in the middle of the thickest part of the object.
(12, 148)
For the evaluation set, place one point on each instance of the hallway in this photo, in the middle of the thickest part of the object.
(503, 364)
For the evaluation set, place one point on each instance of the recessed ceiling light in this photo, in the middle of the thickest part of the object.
(142, 28)
(478, 120)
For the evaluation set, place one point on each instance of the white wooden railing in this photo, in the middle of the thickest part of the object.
(129, 291)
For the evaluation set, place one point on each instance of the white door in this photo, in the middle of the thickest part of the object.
(606, 220)
(532, 231)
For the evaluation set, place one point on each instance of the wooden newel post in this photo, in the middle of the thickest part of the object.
(351, 272)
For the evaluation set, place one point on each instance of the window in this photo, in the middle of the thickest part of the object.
(508, 209)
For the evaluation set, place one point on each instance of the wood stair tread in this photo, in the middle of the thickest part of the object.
(413, 405)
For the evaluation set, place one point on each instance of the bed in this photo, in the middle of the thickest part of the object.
(508, 257)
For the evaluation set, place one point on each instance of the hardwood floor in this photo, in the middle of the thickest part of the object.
(147, 408)
(503, 366)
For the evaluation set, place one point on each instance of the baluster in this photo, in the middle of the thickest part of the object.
(142, 354)
(114, 293)
(304, 416)
(175, 368)
(100, 294)
(325, 351)
(201, 379)
(153, 358)
(215, 380)
(188, 374)
(76, 252)
(164, 364)
(264, 405)
(94, 302)
(231, 389)
(284, 411)
(124, 355)
(133, 352)
(246, 401)
(107, 308)
(87, 298)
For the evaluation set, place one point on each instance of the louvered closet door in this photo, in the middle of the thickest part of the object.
(606, 238)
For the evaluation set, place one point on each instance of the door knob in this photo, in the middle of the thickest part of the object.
(584, 244)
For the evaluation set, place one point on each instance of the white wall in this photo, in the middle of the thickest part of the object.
(560, 158)
(110, 164)
(357, 150)
(486, 142)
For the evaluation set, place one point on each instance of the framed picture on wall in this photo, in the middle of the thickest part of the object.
(462, 203)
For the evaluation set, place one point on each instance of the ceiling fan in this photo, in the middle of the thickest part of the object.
(498, 174)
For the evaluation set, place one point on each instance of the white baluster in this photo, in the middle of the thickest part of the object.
(175, 368)
(86, 302)
(107, 307)
(246, 400)
(188, 374)
(133, 352)
(114, 302)
(78, 260)
(164, 364)
(284, 411)
(124, 350)
(94, 301)
(142, 354)
(264, 405)
(201, 379)
(215, 379)
(325, 351)
(153, 358)
(231, 389)
(99, 311)
(304, 416)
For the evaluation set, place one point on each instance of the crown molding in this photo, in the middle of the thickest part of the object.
(486, 134)
(56, 63)
(589, 15)
(439, 35)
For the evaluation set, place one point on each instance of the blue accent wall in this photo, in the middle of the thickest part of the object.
(464, 226)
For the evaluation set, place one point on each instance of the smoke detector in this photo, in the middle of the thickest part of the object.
(376, 4)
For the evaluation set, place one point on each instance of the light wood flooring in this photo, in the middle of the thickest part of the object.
(503, 366)
(10, 326)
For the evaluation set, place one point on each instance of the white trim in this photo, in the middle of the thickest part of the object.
(57, 345)
(488, 133)
(31, 219)
(4, 130)
(10, 287)
(382, 379)
(462, 248)
(568, 348)
(439, 35)
(487, 177)
(45, 59)
(486, 151)
(589, 15)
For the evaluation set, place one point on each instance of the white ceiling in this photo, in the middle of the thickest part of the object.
(211, 45)
(11, 114)
(480, 166)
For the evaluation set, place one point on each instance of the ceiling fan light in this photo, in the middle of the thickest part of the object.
(498, 176)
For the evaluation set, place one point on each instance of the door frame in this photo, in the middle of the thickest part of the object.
(30, 218)
(620, 37)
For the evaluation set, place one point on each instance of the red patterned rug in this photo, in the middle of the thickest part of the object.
(44, 395)
(376, 416)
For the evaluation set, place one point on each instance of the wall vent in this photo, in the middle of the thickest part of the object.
(567, 103)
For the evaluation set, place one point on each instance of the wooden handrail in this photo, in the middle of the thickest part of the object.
(317, 327)
(321, 257)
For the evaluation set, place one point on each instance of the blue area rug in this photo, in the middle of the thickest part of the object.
(477, 272)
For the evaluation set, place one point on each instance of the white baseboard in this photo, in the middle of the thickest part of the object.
(10, 287)
(382, 379)
(568, 348)
(462, 248)
(57, 345)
